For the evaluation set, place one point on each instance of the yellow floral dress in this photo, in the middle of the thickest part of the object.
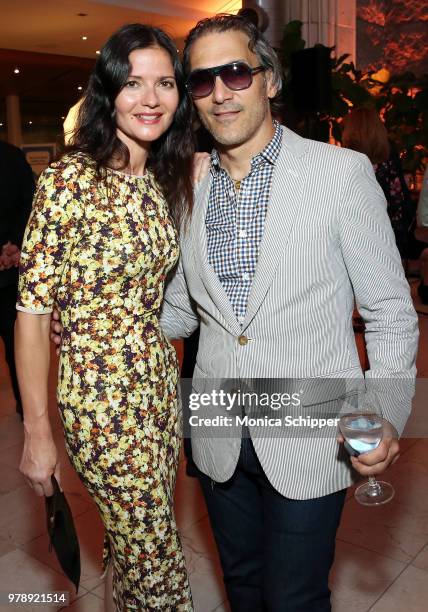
(99, 252)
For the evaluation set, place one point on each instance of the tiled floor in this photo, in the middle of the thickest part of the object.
(382, 553)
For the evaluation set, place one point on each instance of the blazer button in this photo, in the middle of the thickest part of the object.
(242, 340)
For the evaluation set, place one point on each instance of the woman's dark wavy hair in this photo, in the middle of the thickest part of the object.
(171, 155)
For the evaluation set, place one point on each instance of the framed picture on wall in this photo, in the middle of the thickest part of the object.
(39, 156)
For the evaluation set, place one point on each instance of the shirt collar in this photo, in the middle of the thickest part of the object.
(270, 152)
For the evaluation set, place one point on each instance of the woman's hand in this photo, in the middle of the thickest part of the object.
(201, 166)
(56, 330)
(32, 351)
(39, 461)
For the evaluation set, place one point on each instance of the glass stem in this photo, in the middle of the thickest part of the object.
(374, 487)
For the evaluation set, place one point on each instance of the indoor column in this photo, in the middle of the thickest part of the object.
(13, 120)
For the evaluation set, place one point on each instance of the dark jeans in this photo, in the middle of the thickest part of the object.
(7, 324)
(276, 552)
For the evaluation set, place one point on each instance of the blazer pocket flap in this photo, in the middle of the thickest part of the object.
(322, 391)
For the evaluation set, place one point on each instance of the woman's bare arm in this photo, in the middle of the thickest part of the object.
(32, 354)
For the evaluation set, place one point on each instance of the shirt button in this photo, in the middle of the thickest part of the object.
(245, 276)
(242, 340)
(242, 233)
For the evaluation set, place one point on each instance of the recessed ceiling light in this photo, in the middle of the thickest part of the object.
(1, 124)
(80, 88)
(63, 118)
(16, 70)
(30, 123)
(84, 38)
(98, 52)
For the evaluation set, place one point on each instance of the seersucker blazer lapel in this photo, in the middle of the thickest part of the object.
(210, 279)
(285, 199)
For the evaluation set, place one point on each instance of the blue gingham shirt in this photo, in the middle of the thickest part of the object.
(235, 222)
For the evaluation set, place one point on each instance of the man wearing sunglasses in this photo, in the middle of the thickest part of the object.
(285, 231)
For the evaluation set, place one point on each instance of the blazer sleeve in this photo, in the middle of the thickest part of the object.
(17, 189)
(381, 292)
(178, 316)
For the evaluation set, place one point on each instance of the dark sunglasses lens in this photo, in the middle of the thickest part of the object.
(236, 76)
(201, 83)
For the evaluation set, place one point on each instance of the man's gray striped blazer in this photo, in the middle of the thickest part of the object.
(327, 240)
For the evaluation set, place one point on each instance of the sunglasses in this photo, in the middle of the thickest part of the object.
(235, 76)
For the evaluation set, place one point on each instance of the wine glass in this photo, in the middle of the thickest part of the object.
(363, 432)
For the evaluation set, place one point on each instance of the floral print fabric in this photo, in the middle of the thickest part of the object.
(99, 252)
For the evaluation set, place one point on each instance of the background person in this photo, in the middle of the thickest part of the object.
(364, 131)
(16, 194)
(421, 233)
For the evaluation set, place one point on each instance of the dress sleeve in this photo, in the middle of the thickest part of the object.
(48, 240)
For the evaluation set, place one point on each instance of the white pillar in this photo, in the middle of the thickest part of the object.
(275, 11)
(13, 120)
(329, 22)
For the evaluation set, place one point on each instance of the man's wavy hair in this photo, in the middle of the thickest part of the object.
(171, 155)
(257, 43)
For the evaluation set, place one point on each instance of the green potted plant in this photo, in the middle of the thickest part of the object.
(401, 100)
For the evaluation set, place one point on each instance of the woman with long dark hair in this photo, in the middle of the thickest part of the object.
(99, 244)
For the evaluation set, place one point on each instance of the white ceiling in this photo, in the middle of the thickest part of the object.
(54, 26)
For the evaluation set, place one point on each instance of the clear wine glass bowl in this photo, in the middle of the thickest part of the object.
(363, 432)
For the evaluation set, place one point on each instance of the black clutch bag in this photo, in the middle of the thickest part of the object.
(62, 534)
